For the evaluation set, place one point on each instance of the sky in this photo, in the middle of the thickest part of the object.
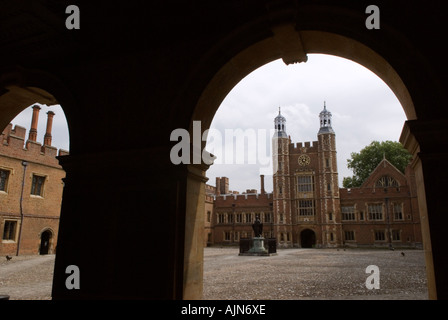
(362, 105)
(60, 135)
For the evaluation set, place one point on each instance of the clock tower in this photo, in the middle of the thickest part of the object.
(306, 190)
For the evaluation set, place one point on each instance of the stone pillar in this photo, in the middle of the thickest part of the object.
(194, 232)
(427, 142)
(123, 224)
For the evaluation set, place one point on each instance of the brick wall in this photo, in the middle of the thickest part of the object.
(33, 214)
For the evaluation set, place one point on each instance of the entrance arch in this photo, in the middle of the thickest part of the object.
(289, 43)
(307, 238)
(24, 87)
(45, 242)
(268, 50)
(170, 82)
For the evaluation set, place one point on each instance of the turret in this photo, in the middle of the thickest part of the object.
(325, 121)
(280, 126)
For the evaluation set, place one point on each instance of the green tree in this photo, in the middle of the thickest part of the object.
(364, 162)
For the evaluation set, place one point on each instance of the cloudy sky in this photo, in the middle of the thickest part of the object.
(363, 108)
(60, 134)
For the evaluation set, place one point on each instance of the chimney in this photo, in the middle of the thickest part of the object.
(224, 185)
(33, 131)
(262, 184)
(218, 186)
(47, 137)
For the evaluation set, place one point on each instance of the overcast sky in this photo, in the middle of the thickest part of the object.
(363, 108)
(60, 134)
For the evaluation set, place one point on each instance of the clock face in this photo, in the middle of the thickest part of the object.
(304, 160)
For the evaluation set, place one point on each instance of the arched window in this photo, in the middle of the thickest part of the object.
(386, 181)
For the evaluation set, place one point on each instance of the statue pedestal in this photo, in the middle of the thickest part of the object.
(257, 248)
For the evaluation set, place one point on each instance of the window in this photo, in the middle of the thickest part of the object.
(375, 211)
(380, 235)
(230, 218)
(221, 218)
(248, 218)
(37, 186)
(209, 214)
(267, 217)
(327, 163)
(386, 181)
(349, 235)
(305, 184)
(4, 176)
(306, 207)
(9, 231)
(398, 212)
(239, 218)
(361, 215)
(348, 212)
(227, 236)
(396, 235)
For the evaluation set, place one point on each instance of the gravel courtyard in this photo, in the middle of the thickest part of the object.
(292, 274)
(314, 274)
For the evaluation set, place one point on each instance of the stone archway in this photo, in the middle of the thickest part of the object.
(24, 87)
(292, 46)
(307, 238)
(171, 81)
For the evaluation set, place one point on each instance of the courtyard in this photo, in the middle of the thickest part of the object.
(293, 274)
(296, 274)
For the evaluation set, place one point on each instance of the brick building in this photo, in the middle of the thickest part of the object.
(383, 211)
(30, 190)
(308, 209)
(234, 213)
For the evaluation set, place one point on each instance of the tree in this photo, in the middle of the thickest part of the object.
(364, 162)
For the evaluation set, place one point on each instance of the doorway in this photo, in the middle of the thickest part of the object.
(45, 238)
(307, 238)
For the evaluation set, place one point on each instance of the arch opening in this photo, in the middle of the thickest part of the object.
(35, 131)
(263, 52)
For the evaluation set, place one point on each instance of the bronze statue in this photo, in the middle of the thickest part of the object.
(257, 226)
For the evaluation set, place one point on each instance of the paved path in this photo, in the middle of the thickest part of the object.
(296, 274)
